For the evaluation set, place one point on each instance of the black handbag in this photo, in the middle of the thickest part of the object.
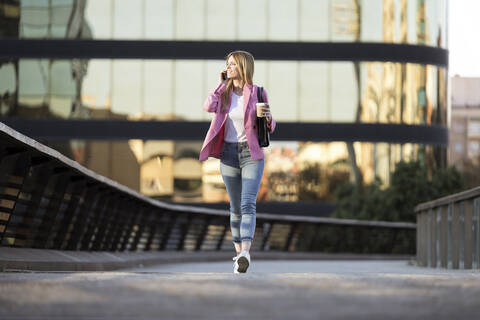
(263, 133)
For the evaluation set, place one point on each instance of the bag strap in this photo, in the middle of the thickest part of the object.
(260, 94)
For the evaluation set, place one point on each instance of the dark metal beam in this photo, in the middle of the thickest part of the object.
(216, 50)
(52, 129)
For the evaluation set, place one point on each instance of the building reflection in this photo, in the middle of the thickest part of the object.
(294, 171)
(363, 92)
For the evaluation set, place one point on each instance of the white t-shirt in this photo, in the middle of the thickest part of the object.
(234, 127)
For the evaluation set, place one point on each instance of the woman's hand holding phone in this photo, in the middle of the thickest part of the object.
(223, 75)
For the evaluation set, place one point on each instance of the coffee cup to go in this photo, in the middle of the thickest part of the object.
(260, 107)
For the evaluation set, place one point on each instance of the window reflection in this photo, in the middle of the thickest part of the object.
(294, 171)
(405, 21)
(175, 90)
(367, 92)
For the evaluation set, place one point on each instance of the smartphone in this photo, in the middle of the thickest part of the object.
(224, 75)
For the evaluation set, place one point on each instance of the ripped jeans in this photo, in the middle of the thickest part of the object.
(242, 177)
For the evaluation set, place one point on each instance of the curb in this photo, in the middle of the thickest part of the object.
(26, 259)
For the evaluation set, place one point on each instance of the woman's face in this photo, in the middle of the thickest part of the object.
(232, 69)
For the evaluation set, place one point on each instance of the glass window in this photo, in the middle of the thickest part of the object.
(313, 94)
(311, 27)
(298, 91)
(158, 89)
(253, 20)
(7, 78)
(283, 21)
(343, 102)
(458, 147)
(62, 83)
(221, 19)
(261, 75)
(98, 16)
(393, 21)
(282, 90)
(60, 16)
(34, 81)
(96, 86)
(190, 20)
(159, 20)
(458, 126)
(374, 20)
(474, 128)
(128, 19)
(127, 95)
(294, 170)
(189, 98)
(45, 19)
(473, 148)
(34, 19)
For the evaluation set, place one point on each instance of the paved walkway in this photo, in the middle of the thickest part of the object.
(272, 290)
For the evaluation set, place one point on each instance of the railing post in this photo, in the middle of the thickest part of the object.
(56, 196)
(95, 215)
(143, 214)
(316, 231)
(83, 212)
(455, 240)
(433, 238)
(75, 191)
(438, 240)
(105, 222)
(14, 167)
(222, 237)
(172, 218)
(152, 231)
(444, 237)
(202, 234)
(30, 196)
(468, 240)
(128, 236)
(421, 239)
(425, 238)
(130, 208)
(184, 228)
(293, 229)
(476, 233)
(266, 236)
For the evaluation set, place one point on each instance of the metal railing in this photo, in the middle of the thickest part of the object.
(448, 231)
(49, 201)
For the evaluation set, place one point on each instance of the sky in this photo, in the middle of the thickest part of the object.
(464, 38)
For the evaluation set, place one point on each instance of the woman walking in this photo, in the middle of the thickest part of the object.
(233, 138)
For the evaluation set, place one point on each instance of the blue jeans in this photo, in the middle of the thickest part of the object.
(242, 177)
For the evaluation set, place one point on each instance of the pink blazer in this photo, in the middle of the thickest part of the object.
(212, 146)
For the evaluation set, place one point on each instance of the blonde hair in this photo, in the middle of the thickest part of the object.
(245, 65)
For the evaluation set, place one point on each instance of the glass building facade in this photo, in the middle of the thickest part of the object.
(300, 91)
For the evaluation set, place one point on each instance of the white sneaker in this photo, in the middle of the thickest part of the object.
(243, 261)
(235, 264)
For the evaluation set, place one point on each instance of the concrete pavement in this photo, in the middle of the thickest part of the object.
(272, 290)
